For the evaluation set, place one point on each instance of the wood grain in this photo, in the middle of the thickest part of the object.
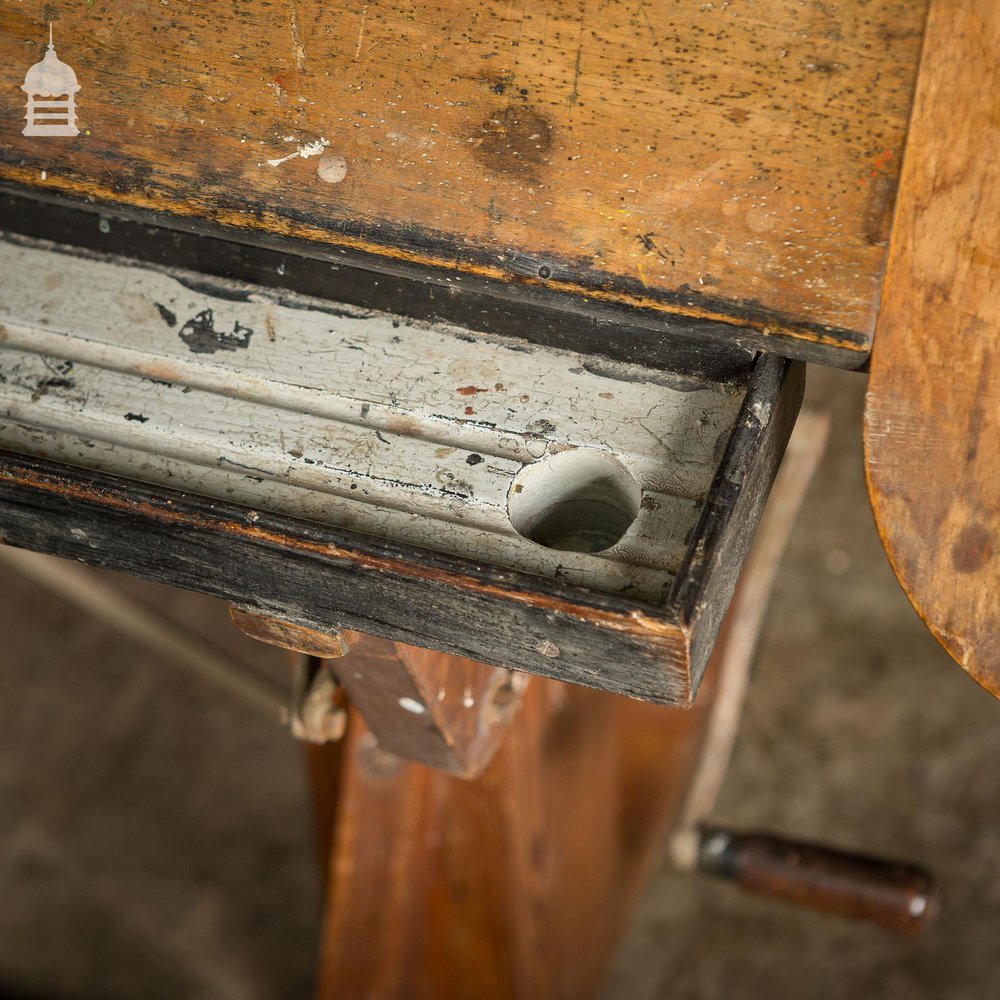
(288, 636)
(514, 885)
(702, 161)
(442, 711)
(931, 426)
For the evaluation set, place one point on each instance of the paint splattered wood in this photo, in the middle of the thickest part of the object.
(325, 578)
(382, 445)
(346, 417)
(723, 166)
(933, 411)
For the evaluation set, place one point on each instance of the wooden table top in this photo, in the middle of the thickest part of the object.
(932, 422)
(727, 161)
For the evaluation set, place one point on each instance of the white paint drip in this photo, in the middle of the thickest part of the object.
(412, 705)
(305, 151)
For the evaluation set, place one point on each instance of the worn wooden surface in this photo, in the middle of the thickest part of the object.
(526, 312)
(697, 161)
(404, 443)
(443, 711)
(708, 577)
(326, 579)
(344, 416)
(932, 423)
(288, 636)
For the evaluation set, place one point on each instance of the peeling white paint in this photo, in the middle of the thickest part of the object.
(344, 416)
(305, 151)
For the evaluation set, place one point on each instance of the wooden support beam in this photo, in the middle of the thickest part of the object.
(497, 888)
(296, 638)
(443, 711)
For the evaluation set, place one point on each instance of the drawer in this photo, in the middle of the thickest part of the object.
(547, 509)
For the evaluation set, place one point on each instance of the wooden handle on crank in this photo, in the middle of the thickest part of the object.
(898, 896)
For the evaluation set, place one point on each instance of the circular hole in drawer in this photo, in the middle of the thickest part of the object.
(577, 501)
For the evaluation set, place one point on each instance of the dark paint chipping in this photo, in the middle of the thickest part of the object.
(201, 337)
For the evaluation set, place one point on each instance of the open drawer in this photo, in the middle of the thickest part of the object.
(332, 466)
(636, 227)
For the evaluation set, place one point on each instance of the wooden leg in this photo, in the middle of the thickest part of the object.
(513, 885)
(325, 763)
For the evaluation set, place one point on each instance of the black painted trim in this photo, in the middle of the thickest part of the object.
(326, 578)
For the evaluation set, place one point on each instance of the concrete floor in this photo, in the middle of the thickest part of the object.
(155, 838)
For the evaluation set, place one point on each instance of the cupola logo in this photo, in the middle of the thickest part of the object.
(51, 88)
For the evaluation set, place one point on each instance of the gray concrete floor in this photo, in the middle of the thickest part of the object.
(155, 835)
(155, 838)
